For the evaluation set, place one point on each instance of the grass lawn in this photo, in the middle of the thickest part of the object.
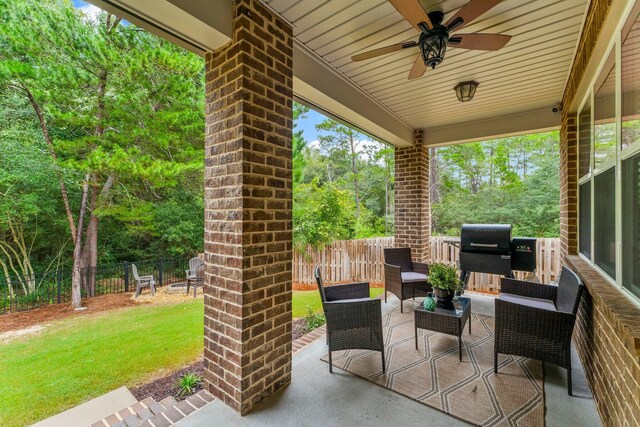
(81, 358)
(77, 359)
(302, 299)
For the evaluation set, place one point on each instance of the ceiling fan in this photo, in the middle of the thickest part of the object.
(435, 37)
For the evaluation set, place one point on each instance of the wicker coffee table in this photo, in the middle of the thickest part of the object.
(447, 320)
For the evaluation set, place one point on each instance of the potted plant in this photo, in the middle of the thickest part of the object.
(445, 281)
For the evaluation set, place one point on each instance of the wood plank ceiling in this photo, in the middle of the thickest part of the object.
(528, 74)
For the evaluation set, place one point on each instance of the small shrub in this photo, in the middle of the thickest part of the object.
(188, 384)
(444, 276)
(313, 320)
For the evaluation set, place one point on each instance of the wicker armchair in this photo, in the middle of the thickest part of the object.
(354, 320)
(535, 320)
(403, 277)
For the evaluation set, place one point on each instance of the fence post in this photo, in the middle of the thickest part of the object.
(59, 284)
(125, 265)
(160, 264)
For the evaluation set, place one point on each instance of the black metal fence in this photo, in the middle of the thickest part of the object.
(26, 292)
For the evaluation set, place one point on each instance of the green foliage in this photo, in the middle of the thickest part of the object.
(188, 384)
(512, 180)
(313, 320)
(443, 276)
(321, 214)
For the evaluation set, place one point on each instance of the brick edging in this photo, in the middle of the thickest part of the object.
(307, 339)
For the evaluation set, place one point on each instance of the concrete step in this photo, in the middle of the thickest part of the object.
(149, 413)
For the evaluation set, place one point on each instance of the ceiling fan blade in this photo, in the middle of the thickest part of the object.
(383, 51)
(412, 11)
(469, 12)
(418, 68)
(479, 41)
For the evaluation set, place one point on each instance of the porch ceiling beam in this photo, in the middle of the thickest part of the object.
(194, 25)
(497, 127)
(319, 85)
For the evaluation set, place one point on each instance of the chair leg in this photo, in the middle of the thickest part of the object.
(330, 362)
(137, 291)
(495, 362)
(569, 384)
(384, 365)
(385, 296)
(195, 289)
(401, 305)
(153, 289)
(188, 286)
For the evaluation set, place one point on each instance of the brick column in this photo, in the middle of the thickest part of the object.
(248, 200)
(412, 205)
(568, 185)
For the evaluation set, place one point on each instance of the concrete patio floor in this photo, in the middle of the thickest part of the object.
(318, 398)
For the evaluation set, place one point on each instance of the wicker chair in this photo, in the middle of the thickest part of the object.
(354, 320)
(403, 277)
(536, 320)
(196, 280)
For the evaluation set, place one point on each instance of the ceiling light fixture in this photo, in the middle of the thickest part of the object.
(466, 90)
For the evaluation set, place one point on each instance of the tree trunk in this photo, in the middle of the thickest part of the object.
(354, 170)
(90, 248)
(76, 274)
(52, 152)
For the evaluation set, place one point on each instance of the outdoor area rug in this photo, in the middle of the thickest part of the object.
(433, 374)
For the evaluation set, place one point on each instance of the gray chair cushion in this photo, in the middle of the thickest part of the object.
(412, 277)
(544, 304)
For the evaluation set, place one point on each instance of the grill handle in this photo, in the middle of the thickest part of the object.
(484, 245)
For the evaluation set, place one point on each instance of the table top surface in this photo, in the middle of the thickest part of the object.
(457, 308)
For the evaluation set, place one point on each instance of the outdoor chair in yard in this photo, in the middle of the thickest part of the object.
(194, 263)
(143, 281)
(536, 320)
(403, 277)
(354, 320)
(196, 280)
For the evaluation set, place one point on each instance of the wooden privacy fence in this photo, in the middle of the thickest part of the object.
(363, 259)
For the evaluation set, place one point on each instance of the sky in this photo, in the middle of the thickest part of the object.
(89, 9)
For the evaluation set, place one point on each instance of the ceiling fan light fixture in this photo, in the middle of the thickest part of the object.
(433, 47)
(465, 91)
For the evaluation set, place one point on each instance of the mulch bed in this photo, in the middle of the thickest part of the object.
(166, 386)
(25, 319)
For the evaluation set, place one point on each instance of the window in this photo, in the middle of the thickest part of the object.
(631, 224)
(604, 221)
(630, 146)
(609, 162)
(604, 112)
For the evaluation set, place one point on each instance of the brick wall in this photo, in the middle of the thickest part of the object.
(568, 186)
(248, 201)
(607, 332)
(412, 206)
(607, 337)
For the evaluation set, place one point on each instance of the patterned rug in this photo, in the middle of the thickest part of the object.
(433, 374)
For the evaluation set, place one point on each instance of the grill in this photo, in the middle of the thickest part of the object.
(489, 248)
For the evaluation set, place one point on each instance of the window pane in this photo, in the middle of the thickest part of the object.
(631, 84)
(631, 224)
(585, 219)
(584, 140)
(604, 233)
(604, 109)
